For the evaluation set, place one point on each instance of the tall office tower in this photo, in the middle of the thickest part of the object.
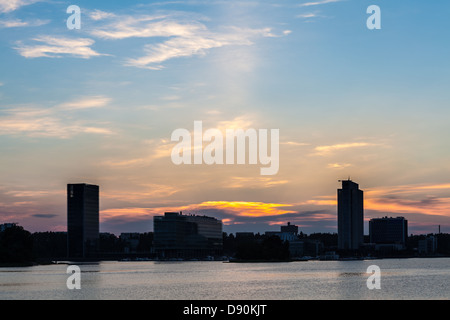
(350, 216)
(82, 220)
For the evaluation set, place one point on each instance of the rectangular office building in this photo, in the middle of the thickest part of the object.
(388, 230)
(187, 236)
(82, 220)
(350, 216)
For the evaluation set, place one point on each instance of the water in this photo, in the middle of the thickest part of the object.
(400, 279)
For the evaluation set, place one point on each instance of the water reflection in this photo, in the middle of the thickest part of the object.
(352, 274)
(400, 279)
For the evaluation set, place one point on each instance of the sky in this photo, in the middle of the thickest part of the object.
(99, 104)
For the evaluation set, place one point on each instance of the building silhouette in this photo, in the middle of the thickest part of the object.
(428, 245)
(350, 216)
(187, 236)
(291, 228)
(297, 247)
(131, 241)
(82, 220)
(389, 231)
(288, 232)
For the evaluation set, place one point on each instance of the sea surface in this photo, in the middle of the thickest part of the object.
(418, 278)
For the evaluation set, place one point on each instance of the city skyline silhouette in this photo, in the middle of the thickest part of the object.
(100, 103)
(214, 209)
(180, 236)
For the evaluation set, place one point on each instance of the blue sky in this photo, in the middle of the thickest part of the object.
(99, 104)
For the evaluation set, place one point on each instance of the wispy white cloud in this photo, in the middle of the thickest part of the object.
(338, 165)
(317, 3)
(186, 37)
(12, 5)
(295, 144)
(193, 45)
(100, 15)
(16, 23)
(86, 102)
(56, 47)
(146, 26)
(310, 16)
(306, 15)
(324, 150)
(174, 48)
(158, 148)
(25, 123)
(57, 121)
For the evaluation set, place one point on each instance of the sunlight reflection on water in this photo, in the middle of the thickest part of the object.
(400, 279)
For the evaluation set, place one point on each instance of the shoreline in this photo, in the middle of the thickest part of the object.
(232, 260)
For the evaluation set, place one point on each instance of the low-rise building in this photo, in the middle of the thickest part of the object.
(427, 245)
(187, 236)
(389, 232)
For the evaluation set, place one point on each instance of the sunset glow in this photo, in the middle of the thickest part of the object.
(99, 105)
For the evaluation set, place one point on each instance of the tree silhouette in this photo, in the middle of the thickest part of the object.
(16, 245)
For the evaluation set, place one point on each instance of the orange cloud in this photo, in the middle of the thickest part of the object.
(325, 150)
(438, 207)
(426, 199)
(254, 182)
(227, 221)
(421, 199)
(404, 189)
(243, 209)
(126, 213)
(248, 209)
(147, 191)
(322, 202)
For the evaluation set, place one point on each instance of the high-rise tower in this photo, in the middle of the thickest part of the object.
(82, 220)
(350, 216)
